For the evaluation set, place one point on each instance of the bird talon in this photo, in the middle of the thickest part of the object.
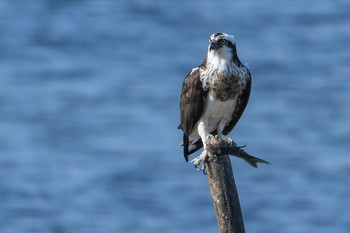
(199, 161)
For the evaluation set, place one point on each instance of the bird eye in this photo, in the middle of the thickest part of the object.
(223, 41)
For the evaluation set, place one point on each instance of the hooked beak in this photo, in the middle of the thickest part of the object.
(214, 46)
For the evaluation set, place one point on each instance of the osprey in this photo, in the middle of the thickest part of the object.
(214, 95)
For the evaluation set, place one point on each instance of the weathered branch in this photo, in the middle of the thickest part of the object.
(227, 146)
(224, 194)
(222, 184)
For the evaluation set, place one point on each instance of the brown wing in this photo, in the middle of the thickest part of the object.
(242, 102)
(192, 103)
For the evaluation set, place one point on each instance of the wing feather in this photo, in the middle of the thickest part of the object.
(192, 104)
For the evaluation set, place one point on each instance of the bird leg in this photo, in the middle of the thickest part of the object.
(221, 127)
(202, 131)
(206, 154)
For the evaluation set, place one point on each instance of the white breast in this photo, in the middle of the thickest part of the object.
(216, 111)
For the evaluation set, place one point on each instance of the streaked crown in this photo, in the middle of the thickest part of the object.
(216, 37)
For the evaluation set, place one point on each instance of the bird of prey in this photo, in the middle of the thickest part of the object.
(214, 95)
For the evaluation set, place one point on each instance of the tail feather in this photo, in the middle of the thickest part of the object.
(190, 148)
(185, 145)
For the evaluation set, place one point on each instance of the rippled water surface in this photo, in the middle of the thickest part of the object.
(89, 95)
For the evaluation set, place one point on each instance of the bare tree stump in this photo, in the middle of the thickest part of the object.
(224, 194)
(222, 183)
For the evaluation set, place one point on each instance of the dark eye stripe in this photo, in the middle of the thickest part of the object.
(230, 44)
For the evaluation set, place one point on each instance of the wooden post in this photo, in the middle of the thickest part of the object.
(224, 194)
(222, 183)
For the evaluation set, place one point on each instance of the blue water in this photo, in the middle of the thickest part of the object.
(89, 106)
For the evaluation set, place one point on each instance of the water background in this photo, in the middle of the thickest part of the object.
(89, 106)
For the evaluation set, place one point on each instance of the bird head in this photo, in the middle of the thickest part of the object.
(222, 44)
